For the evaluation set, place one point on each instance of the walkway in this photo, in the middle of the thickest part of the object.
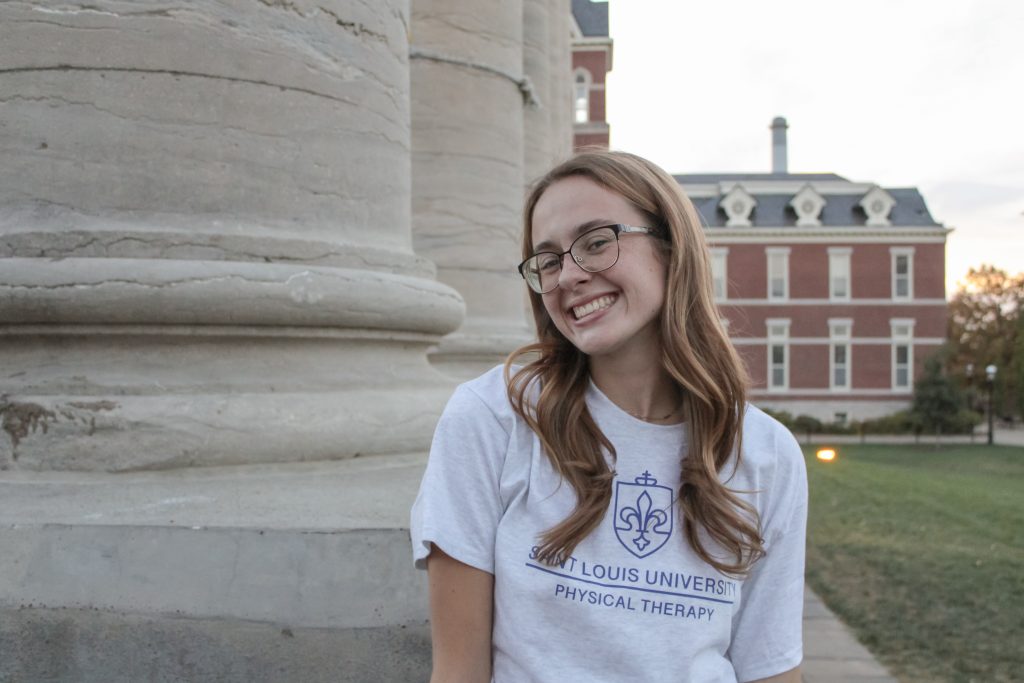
(831, 653)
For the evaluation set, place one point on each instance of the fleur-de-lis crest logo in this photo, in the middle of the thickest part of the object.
(643, 514)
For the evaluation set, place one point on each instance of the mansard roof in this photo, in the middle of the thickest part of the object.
(592, 17)
(842, 204)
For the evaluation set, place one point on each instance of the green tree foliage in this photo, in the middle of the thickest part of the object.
(938, 400)
(986, 327)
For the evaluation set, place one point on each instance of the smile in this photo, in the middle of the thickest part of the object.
(598, 304)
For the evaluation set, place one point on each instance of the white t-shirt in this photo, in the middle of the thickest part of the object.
(634, 602)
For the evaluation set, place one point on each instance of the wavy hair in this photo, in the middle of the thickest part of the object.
(696, 353)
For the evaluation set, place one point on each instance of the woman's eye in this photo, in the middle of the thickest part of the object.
(597, 244)
(548, 263)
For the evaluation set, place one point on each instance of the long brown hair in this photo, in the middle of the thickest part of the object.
(696, 352)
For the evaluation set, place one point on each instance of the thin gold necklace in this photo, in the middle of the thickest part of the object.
(649, 418)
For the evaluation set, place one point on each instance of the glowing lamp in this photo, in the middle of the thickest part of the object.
(827, 454)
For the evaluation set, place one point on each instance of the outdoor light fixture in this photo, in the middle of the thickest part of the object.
(827, 454)
(990, 375)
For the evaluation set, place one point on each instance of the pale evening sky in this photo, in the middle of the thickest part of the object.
(901, 93)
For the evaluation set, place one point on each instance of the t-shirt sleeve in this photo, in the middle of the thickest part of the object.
(767, 634)
(459, 504)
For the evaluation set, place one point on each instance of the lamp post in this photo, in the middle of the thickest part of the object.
(990, 374)
(969, 374)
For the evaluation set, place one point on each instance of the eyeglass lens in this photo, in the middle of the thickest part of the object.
(592, 251)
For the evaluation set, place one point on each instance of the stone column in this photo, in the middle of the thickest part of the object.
(560, 109)
(537, 134)
(205, 246)
(467, 150)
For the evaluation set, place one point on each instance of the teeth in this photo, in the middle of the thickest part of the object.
(595, 305)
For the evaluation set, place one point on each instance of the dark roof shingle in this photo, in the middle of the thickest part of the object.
(592, 17)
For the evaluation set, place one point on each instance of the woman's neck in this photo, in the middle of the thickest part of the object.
(640, 386)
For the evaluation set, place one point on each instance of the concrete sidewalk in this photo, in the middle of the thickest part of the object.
(831, 653)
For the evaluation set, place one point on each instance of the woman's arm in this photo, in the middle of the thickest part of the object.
(791, 676)
(461, 609)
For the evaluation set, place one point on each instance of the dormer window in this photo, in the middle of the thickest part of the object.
(807, 204)
(738, 204)
(877, 204)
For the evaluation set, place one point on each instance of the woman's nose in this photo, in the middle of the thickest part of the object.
(572, 273)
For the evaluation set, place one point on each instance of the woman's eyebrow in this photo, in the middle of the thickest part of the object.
(579, 230)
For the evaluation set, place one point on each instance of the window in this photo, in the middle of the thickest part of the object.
(902, 272)
(778, 354)
(839, 273)
(840, 366)
(839, 332)
(901, 378)
(778, 272)
(581, 97)
(902, 353)
(719, 261)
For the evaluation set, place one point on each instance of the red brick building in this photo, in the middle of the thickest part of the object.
(591, 61)
(833, 291)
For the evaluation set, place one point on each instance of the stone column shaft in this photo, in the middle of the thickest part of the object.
(205, 246)
(467, 120)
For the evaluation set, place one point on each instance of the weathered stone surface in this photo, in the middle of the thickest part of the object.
(561, 81)
(194, 196)
(87, 646)
(300, 568)
(210, 117)
(467, 154)
(257, 573)
(537, 132)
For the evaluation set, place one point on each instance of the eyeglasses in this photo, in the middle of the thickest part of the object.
(593, 251)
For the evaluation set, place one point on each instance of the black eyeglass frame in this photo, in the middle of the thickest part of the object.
(617, 228)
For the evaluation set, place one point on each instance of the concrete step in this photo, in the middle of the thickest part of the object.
(257, 573)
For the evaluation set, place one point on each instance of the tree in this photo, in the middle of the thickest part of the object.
(938, 401)
(986, 327)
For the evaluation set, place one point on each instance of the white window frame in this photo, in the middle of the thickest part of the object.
(782, 253)
(720, 272)
(902, 333)
(581, 98)
(840, 332)
(778, 335)
(839, 260)
(895, 253)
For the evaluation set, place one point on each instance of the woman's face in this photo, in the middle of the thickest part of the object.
(626, 298)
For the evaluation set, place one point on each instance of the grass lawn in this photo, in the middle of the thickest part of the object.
(921, 552)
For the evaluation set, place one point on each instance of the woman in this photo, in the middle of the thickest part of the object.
(610, 509)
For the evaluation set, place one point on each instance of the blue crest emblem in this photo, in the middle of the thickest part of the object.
(643, 514)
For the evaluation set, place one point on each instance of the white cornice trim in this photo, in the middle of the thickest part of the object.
(836, 393)
(789, 187)
(839, 233)
(825, 341)
(591, 42)
(834, 304)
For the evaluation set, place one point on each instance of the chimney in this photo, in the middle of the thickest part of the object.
(779, 127)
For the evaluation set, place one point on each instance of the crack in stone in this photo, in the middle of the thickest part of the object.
(354, 27)
(522, 82)
(174, 72)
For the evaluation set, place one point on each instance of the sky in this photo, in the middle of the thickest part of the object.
(902, 93)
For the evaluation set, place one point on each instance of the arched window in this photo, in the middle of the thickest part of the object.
(581, 96)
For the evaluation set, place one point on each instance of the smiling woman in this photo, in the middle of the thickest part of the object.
(618, 450)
